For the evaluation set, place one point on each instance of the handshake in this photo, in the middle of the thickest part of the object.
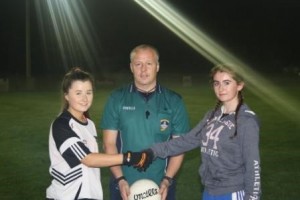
(139, 160)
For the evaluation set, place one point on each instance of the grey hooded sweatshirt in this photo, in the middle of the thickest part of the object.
(230, 162)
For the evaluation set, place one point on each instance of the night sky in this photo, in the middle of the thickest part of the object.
(263, 33)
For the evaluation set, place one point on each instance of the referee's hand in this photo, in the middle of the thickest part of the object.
(140, 160)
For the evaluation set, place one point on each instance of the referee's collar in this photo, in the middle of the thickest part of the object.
(133, 88)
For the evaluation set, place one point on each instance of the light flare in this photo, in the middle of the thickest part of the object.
(215, 53)
(73, 30)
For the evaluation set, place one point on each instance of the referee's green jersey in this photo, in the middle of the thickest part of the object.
(142, 122)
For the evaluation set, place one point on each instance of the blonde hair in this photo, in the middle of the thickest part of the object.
(143, 47)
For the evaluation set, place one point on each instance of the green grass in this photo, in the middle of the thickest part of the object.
(26, 117)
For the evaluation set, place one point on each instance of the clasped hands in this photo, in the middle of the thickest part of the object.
(139, 160)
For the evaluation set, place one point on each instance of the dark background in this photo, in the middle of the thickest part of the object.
(264, 34)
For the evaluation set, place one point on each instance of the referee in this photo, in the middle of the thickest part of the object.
(138, 115)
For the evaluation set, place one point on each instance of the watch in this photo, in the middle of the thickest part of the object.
(117, 180)
(169, 179)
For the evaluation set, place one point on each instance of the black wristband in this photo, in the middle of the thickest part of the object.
(169, 179)
(117, 180)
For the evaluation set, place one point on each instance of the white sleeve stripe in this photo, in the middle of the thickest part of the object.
(69, 142)
(79, 153)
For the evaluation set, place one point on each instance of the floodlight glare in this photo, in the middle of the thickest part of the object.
(215, 53)
(72, 29)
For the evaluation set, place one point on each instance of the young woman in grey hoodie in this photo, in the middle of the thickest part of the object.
(228, 137)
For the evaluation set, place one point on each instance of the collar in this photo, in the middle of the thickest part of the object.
(222, 111)
(132, 88)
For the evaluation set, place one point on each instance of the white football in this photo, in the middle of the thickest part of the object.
(144, 189)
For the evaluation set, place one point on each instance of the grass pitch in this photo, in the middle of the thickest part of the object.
(26, 117)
